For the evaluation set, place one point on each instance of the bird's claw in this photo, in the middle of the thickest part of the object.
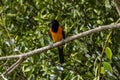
(63, 42)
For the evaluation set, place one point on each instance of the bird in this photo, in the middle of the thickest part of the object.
(57, 34)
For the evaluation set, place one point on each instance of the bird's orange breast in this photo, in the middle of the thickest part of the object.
(57, 36)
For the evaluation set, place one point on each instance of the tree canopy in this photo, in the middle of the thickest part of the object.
(24, 27)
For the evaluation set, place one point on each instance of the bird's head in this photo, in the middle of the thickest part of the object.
(54, 24)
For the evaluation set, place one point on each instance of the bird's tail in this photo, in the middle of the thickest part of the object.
(61, 55)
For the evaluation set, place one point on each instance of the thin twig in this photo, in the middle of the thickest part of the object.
(13, 67)
(103, 50)
(4, 25)
(3, 77)
(117, 5)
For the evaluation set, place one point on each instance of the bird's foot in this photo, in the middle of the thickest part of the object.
(51, 44)
(63, 41)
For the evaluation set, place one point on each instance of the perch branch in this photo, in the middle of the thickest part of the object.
(71, 38)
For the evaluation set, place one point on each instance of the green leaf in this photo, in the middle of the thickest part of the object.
(108, 53)
(102, 70)
(99, 22)
(107, 66)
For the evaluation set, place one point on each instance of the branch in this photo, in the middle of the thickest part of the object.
(117, 5)
(71, 38)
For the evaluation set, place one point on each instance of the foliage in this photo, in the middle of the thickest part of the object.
(24, 27)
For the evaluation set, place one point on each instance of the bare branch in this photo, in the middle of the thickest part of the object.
(83, 34)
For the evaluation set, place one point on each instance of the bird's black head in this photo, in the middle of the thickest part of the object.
(55, 25)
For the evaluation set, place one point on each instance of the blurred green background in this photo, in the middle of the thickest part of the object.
(24, 27)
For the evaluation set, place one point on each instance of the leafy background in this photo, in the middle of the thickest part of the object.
(24, 27)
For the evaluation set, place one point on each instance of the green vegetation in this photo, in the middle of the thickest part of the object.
(24, 27)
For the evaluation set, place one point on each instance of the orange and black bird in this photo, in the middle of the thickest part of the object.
(57, 34)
